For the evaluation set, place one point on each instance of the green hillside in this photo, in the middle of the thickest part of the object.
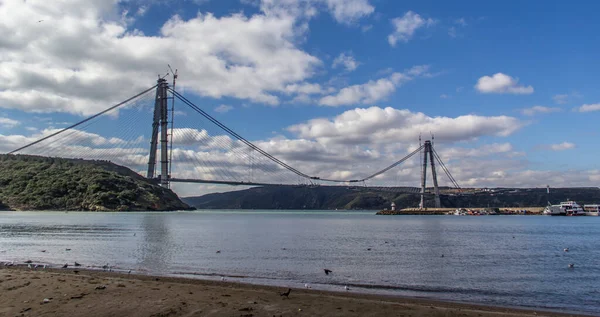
(43, 183)
(329, 197)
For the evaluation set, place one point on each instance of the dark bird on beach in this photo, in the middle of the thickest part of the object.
(65, 266)
(286, 294)
(442, 255)
(327, 271)
(571, 265)
(368, 249)
(40, 21)
(67, 249)
(77, 264)
(28, 261)
(218, 251)
(43, 250)
(566, 249)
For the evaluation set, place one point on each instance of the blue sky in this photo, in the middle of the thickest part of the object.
(514, 78)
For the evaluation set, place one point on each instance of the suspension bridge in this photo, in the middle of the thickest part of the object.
(188, 145)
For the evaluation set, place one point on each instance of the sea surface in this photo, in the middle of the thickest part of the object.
(515, 261)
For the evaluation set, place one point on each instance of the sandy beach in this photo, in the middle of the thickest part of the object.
(28, 292)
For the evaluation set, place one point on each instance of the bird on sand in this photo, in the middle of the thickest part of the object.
(77, 264)
(218, 251)
(286, 294)
(40, 21)
(346, 288)
(65, 266)
(222, 278)
(571, 265)
(306, 286)
(327, 271)
(566, 249)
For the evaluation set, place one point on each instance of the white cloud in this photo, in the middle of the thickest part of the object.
(305, 88)
(405, 27)
(376, 125)
(223, 108)
(561, 146)
(347, 11)
(589, 107)
(500, 83)
(346, 61)
(461, 22)
(374, 90)
(560, 99)
(343, 11)
(452, 31)
(8, 122)
(539, 109)
(82, 55)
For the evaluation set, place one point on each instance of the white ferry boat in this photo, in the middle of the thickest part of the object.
(591, 210)
(566, 208)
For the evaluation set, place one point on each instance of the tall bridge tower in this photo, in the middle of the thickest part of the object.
(428, 154)
(160, 122)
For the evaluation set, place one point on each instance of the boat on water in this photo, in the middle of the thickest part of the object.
(591, 210)
(565, 208)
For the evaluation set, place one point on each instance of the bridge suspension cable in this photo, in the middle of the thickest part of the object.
(276, 160)
(437, 157)
(83, 121)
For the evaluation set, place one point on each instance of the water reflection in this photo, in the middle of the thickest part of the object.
(155, 249)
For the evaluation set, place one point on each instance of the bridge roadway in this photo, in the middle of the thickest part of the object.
(413, 190)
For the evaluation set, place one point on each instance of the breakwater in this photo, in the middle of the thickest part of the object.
(446, 211)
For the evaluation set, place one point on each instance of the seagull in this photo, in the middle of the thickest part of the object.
(43, 250)
(218, 251)
(65, 266)
(29, 266)
(77, 264)
(566, 249)
(442, 255)
(571, 265)
(327, 271)
(286, 294)
(67, 249)
(105, 267)
(129, 272)
(222, 278)
(368, 249)
(346, 288)
(40, 21)
(306, 286)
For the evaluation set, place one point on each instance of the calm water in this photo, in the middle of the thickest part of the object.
(502, 260)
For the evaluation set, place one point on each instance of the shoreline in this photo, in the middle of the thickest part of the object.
(74, 292)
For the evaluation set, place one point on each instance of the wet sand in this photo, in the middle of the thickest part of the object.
(94, 293)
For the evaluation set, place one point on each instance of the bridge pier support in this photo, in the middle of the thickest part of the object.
(428, 153)
(160, 122)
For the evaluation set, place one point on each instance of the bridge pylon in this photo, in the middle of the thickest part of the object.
(428, 154)
(160, 123)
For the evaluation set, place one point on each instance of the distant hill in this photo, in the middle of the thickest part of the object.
(329, 197)
(42, 183)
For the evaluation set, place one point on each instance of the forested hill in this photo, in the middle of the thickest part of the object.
(325, 197)
(43, 183)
